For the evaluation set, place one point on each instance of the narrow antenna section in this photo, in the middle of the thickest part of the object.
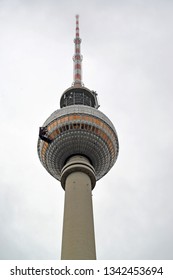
(77, 58)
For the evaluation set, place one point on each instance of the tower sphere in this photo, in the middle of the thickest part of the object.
(78, 129)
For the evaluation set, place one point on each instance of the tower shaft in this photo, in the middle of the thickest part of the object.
(78, 242)
(77, 58)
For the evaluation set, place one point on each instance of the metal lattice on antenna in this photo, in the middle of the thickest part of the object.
(77, 58)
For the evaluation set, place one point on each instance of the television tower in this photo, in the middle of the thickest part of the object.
(78, 145)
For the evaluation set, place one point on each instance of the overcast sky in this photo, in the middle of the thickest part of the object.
(127, 51)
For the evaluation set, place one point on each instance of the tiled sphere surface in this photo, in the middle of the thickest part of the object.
(78, 130)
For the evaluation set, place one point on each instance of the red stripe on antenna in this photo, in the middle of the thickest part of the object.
(77, 58)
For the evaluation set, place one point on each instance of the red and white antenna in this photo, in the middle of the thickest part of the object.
(77, 58)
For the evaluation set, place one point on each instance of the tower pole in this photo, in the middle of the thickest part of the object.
(77, 58)
(78, 180)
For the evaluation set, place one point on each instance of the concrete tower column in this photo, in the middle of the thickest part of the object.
(78, 180)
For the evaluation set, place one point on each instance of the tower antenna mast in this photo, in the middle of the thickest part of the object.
(77, 58)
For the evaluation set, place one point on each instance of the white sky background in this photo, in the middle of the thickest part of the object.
(127, 48)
